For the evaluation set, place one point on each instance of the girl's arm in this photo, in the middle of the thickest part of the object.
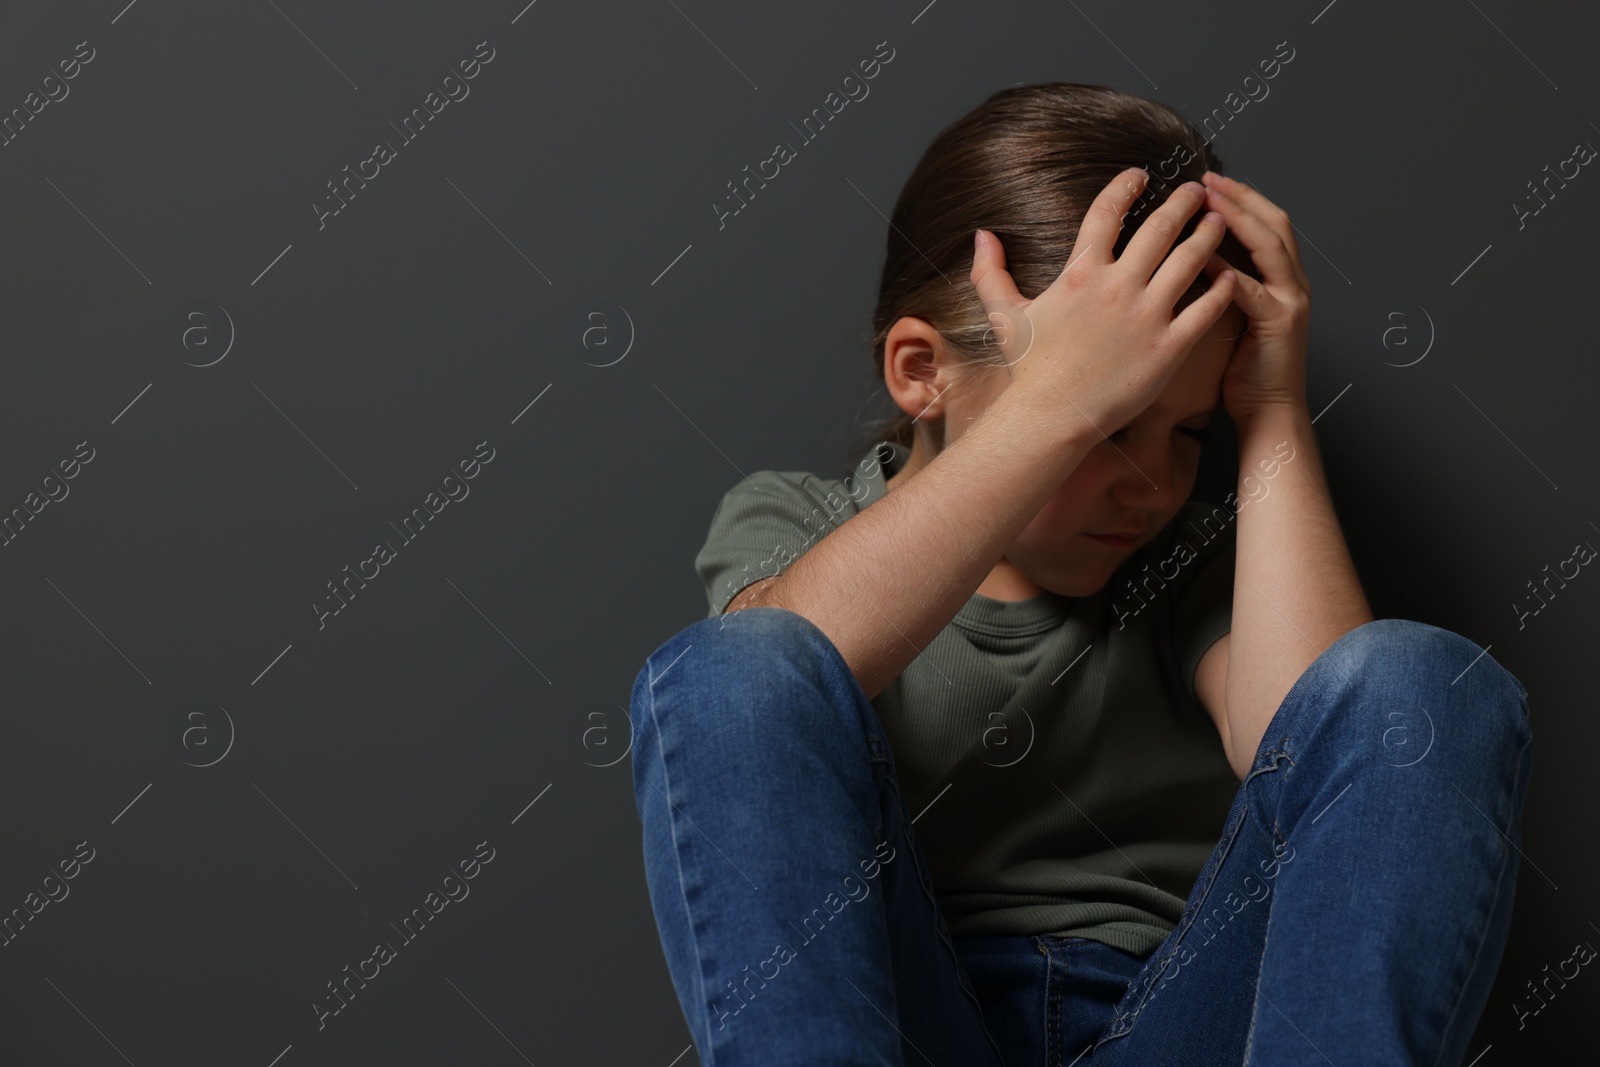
(1295, 588)
(885, 582)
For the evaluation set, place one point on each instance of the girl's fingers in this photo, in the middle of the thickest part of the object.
(994, 283)
(1180, 269)
(1149, 247)
(1267, 246)
(1097, 234)
(1192, 322)
(1216, 265)
(1272, 216)
(1009, 326)
(1253, 200)
(1253, 298)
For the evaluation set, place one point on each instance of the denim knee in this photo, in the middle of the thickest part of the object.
(766, 675)
(1425, 682)
(738, 640)
(707, 633)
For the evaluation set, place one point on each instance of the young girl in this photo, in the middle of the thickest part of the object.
(1000, 750)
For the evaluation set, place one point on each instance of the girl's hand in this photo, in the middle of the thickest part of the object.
(1269, 365)
(1102, 338)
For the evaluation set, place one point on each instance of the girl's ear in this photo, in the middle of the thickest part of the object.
(918, 368)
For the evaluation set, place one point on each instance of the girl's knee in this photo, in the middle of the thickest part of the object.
(1424, 682)
(751, 675)
(740, 642)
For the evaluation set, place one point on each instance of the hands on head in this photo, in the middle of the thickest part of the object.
(1102, 340)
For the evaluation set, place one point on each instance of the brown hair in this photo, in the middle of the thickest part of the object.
(1025, 164)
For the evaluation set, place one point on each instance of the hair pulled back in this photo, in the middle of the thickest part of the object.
(1025, 164)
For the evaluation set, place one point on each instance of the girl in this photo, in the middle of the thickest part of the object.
(1003, 751)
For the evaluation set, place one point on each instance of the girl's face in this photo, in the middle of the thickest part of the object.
(1139, 478)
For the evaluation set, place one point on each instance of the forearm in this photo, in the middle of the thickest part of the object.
(883, 584)
(1295, 587)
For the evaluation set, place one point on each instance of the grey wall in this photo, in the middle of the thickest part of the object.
(264, 790)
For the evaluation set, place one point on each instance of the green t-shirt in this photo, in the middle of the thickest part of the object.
(1063, 777)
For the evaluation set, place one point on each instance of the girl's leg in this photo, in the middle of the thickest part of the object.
(794, 906)
(1358, 904)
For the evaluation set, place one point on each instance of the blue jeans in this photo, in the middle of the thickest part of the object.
(1354, 911)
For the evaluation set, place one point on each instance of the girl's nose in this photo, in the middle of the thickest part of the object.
(1146, 481)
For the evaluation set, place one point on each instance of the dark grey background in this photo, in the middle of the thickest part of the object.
(474, 691)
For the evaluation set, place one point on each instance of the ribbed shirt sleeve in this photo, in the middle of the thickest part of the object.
(763, 524)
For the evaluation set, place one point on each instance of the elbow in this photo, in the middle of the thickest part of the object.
(1240, 764)
(1242, 745)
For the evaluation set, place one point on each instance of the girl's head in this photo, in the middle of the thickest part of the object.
(1025, 165)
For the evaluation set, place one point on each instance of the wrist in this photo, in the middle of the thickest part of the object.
(1053, 421)
(1272, 417)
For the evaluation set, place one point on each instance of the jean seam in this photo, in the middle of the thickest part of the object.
(1052, 1008)
(1261, 962)
(1266, 935)
(1489, 914)
(925, 881)
(677, 862)
(1157, 967)
(1277, 801)
(1255, 1002)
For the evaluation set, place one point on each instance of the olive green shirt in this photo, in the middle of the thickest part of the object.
(1063, 777)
